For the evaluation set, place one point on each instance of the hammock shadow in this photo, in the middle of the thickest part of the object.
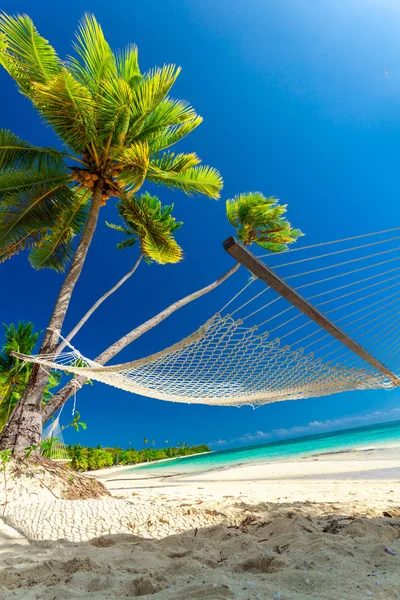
(271, 549)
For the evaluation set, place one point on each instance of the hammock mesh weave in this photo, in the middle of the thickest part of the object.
(264, 350)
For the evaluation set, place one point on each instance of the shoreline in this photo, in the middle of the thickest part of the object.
(386, 448)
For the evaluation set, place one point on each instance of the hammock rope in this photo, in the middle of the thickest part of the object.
(255, 354)
(57, 449)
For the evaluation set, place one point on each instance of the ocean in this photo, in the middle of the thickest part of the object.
(365, 437)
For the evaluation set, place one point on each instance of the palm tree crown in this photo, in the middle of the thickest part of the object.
(146, 220)
(260, 220)
(117, 125)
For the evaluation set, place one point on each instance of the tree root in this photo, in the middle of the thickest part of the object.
(61, 480)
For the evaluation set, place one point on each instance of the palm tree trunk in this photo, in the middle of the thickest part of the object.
(96, 305)
(24, 428)
(70, 388)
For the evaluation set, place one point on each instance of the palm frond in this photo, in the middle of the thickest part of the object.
(135, 162)
(169, 112)
(27, 56)
(169, 136)
(148, 94)
(174, 163)
(18, 154)
(127, 62)
(160, 246)
(153, 225)
(114, 111)
(14, 182)
(19, 338)
(196, 180)
(69, 107)
(27, 218)
(96, 60)
(55, 249)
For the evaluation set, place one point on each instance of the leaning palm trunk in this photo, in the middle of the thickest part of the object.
(70, 388)
(96, 305)
(24, 428)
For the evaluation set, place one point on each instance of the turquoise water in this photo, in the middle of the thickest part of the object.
(361, 437)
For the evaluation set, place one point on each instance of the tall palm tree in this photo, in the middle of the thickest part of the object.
(117, 125)
(152, 225)
(14, 374)
(257, 220)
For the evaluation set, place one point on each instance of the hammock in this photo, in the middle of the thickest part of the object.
(260, 349)
(56, 448)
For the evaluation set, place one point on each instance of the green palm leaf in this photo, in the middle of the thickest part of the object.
(96, 59)
(69, 107)
(134, 161)
(196, 180)
(26, 55)
(18, 154)
(27, 216)
(167, 114)
(174, 163)
(114, 111)
(13, 182)
(169, 136)
(153, 225)
(127, 62)
(148, 94)
(55, 249)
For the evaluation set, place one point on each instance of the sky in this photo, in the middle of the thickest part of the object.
(301, 101)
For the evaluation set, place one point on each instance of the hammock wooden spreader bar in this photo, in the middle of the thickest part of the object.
(259, 269)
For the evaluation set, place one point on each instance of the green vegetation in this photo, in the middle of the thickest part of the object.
(14, 374)
(90, 459)
(259, 220)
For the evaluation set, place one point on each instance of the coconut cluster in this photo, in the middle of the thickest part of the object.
(88, 177)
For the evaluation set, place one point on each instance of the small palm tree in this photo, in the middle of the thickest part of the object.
(14, 374)
(145, 441)
(152, 225)
(258, 220)
(117, 125)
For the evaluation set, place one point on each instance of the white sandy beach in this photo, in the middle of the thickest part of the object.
(319, 527)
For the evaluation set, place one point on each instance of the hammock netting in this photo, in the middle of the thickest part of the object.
(260, 349)
(56, 449)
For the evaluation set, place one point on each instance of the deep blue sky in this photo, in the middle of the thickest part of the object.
(296, 104)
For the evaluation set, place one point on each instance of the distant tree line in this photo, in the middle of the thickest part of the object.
(90, 459)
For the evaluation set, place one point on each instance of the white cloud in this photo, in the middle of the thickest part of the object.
(312, 427)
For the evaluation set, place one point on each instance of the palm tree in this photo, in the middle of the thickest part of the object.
(14, 374)
(257, 220)
(153, 226)
(145, 441)
(117, 125)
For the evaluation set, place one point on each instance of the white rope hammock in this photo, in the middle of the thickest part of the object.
(264, 349)
(53, 434)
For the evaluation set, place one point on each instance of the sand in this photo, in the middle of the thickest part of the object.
(320, 527)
